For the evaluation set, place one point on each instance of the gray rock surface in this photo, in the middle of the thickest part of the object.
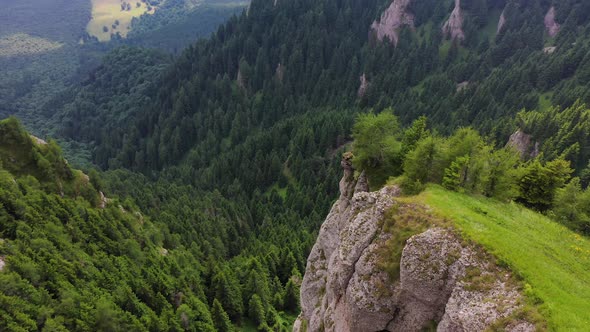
(551, 25)
(363, 86)
(345, 288)
(501, 22)
(523, 143)
(393, 18)
(453, 27)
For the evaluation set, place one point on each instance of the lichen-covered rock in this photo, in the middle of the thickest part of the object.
(441, 279)
(523, 143)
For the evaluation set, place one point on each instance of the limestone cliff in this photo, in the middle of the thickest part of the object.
(355, 282)
(551, 25)
(524, 144)
(453, 27)
(392, 20)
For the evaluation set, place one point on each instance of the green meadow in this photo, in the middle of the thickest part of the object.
(552, 261)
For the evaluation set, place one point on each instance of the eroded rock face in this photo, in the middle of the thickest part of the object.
(364, 86)
(393, 19)
(550, 24)
(523, 143)
(501, 22)
(345, 288)
(1, 263)
(453, 27)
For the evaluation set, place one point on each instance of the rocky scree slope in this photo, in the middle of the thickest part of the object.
(440, 280)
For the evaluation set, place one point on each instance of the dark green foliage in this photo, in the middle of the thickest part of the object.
(291, 300)
(377, 147)
(464, 162)
(571, 206)
(563, 133)
(220, 318)
(426, 163)
(79, 267)
(256, 311)
(226, 290)
(539, 182)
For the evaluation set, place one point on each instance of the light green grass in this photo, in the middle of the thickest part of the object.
(545, 101)
(282, 192)
(553, 260)
(106, 12)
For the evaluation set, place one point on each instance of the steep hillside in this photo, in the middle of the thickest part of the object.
(279, 60)
(72, 259)
(45, 50)
(60, 20)
(550, 259)
(178, 23)
(468, 257)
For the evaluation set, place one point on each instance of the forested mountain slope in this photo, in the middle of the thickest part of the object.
(288, 58)
(46, 51)
(232, 148)
(73, 259)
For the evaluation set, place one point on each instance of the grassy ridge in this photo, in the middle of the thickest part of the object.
(553, 260)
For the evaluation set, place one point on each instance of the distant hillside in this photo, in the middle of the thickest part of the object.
(172, 28)
(41, 55)
(57, 20)
(281, 59)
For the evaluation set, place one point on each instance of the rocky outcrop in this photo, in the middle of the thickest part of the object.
(501, 23)
(392, 20)
(551, 25)
(280, 72)
(38, 140)
(442, 280)
(462, 86)
(1, 263)
(549, 49)
(103, 200)
(453, 27)
(364, 86)
(524, 144)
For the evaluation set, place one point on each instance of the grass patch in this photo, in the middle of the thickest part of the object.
(402, 221)
(552, 261)
(545, 101)
(105, 13)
